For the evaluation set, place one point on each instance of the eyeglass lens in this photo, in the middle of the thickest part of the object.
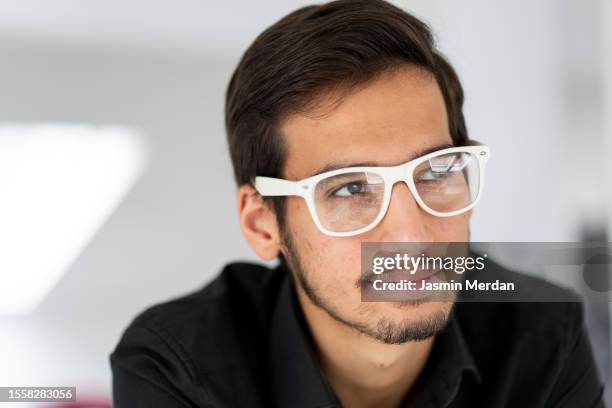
(351, 201)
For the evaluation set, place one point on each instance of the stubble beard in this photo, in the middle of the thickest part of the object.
(384, 330)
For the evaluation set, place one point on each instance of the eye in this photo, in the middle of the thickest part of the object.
(429, 175)
(349, 189)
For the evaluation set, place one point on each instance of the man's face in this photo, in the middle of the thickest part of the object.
(387, 122)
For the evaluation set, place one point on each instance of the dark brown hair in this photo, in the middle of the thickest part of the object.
(314, 49)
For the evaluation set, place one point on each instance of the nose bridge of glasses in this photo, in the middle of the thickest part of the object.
(401, 173)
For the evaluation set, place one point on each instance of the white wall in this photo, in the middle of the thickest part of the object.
(171, 234)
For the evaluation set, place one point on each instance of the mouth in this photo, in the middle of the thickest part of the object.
(397, 275)
(409, 298)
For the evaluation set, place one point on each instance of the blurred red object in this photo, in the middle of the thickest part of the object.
(81, 404)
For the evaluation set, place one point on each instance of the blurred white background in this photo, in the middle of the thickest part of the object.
(538, 80)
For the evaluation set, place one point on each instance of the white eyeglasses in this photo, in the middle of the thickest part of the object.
(354, 200)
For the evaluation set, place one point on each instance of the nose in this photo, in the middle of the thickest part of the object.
(404, 220)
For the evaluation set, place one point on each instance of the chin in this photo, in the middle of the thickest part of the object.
(416, 309)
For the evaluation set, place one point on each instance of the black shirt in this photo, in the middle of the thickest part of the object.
(242, 341)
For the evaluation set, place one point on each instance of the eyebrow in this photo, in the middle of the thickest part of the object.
(342, 165)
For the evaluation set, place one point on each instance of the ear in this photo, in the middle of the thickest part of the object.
(258, 223)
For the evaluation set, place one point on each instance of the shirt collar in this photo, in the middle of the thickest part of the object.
(446, 368)
(297, 381)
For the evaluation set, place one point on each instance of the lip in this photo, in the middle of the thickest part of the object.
(415, 295)
(396, 275)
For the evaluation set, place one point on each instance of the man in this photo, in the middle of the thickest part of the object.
(325, 90)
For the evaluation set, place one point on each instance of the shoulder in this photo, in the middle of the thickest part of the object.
(241, 293)
(532, 347)
(535, 305)
(216, 330)
(537, 331)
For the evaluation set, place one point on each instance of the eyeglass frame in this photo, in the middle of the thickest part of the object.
(305, 188)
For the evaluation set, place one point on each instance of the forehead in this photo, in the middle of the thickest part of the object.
(383, 122)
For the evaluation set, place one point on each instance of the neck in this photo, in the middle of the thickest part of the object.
(363, 371)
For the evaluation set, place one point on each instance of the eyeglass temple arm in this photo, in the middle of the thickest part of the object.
(269, 186)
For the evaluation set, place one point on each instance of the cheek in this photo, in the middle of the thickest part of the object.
(326, 259)
(450, 229)
(298, 218)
